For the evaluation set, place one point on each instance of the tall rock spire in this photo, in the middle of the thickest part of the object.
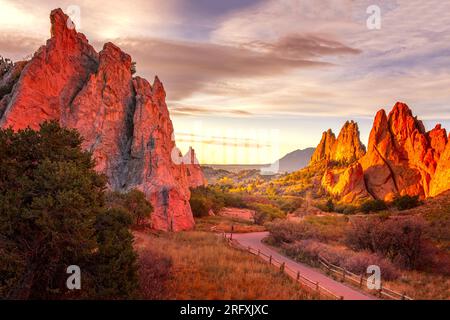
(324, 149)
(347, 148)
(124, 121)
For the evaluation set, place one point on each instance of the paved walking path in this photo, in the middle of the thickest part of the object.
(254, 240)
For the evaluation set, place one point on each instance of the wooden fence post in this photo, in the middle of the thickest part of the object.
(317, 285)
(270, 260)
(343, 275)
(282, 267)
(361, 281)
(231, 236)
(298, 275)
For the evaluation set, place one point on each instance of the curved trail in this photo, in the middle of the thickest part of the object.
(254, 240)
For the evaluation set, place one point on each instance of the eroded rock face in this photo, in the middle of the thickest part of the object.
(438, 141)
(154, 164)
(348, 146)
(53, 77)
(124, 120)
(380, 179)
(194, 171)
(99, 112)
(347, 183)
(7, 83)
(441, 179)
(400, 157)
(324, 149)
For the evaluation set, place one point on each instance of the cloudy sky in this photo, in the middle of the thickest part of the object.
(250, 80)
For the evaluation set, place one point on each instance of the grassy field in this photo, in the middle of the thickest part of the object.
(224, 224)
(200, 265)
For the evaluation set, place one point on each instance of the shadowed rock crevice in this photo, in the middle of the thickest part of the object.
(124, 173)
(8, 81)
(367, 187)
(392, 173)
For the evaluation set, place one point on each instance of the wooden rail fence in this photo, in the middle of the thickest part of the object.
(302, 280)
(360, 280)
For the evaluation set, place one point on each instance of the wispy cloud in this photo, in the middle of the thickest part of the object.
(301, 46)
(182, 109)
(188, 67)
(19, 46)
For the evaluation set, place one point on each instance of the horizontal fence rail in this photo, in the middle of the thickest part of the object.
(359, 280)
(302, 280)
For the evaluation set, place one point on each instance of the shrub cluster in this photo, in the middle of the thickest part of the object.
(203, 199)
(133, 203)
(322, 229)
(373, 206)
(309, 251)
(289, 204)
(266, 212)
(402, 240)
(406, 202)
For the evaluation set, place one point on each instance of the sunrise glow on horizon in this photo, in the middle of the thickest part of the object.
(250, 81)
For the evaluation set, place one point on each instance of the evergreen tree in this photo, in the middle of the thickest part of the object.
(51, 199)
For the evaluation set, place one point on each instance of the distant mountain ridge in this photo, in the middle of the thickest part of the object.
(295, 160)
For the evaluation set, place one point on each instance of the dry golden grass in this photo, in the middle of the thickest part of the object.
(422, 286)
(223, 224)
(203, 266)
(414, 284)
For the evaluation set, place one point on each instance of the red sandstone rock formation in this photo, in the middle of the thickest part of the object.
(53, 77)
(441, 179)
(347, 148)
(124, 120)
(194, 171)
(347, 183)
(402, 158)
(7, 82)
(324, 149)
